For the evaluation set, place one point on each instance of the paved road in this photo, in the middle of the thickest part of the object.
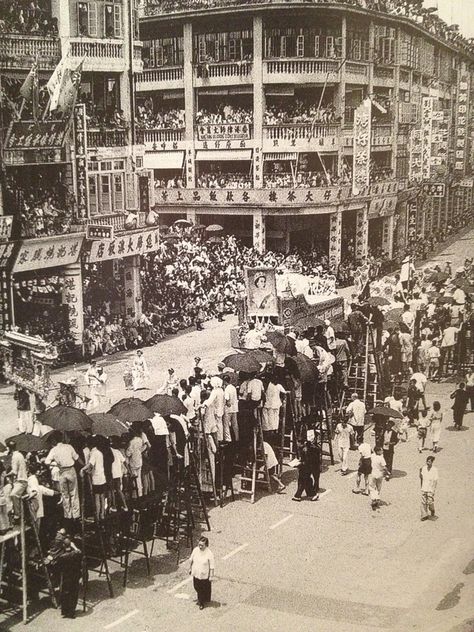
(333, 565)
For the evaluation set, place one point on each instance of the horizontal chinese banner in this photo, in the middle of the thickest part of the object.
(227, 131)
(48, 252)
(36, 135)
(139, 243)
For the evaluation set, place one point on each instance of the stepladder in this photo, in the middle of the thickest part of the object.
(255, 471)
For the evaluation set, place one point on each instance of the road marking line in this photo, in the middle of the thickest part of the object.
(182, 596)
(280, 522)
(325, 492)
(183, 583)
(130, 614)
(235, 551)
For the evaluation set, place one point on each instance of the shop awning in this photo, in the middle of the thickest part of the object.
(223, 154)
(6, 251)
(284, 155)
(164, 160)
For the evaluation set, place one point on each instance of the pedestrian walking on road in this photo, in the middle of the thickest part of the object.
(379, 471)
(423, 425)
(436, 418)
(356, 412)
(470, 388)
(390, 440)
(365, 468)
(308, 469)
(460, 398)
(429, 482)
(202, 570)
(343, 433)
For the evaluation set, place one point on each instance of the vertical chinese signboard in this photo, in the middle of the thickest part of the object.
(415, 172)
(362, 136)
(72, 299)
(80, 144)
(427, 133)
(462, 108)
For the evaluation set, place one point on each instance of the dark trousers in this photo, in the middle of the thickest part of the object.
(70, 590)
(388, 456)
(203, 589)
(316, 473)
(458, 416)
(305, 484)
(470, 392)
(359, 434)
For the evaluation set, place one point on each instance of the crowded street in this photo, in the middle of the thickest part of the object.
(381, 570)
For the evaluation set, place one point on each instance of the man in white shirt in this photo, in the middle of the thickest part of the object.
(408, 317)
(343, 433)
(365, 468)
(429, 482)
(253, 338)
(330, 336)
(356, 415)
(421, 380)
(64, 457)
(448, 345)
(217, 401)
(434, 355)
(231, 409)
(459, 296)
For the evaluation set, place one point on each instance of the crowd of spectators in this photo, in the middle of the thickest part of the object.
(32, 17)
(148, 118)
(41, 208)
(224, 114)
(305, 179)
(100, 117)
(299, 112)
(219, 180)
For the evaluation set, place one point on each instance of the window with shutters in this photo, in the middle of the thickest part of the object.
(117, 20)
(233, 50)
(283, 46)
(93, 195)
(356, 49)
(201, 49)
(118, 192)
(105, 197)
(338, 47)
(300, 46)
(83, 18)
(93, 27)
(316, 46)
(217, 55)
(330, 50)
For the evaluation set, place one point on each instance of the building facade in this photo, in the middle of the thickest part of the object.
(327, 59)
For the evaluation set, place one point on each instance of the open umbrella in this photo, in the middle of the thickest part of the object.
(385, 411)
(260, 355)
(306, 368)
(166, 405)
(242, 362)
(446, 300)
(214, 228)
(214, 240)
(130, 409)
(29, 443)
(378, 301)
(438, 277)
(171, 237)
(281, 343)
(65, 418)
(340, 326)
(107, 425)
(182, 222)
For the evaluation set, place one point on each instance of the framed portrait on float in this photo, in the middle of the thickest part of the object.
(261, 292)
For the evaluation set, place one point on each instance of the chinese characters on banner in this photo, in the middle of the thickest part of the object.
(415, 155)
(72, 299)
(412, 225)
(6, 223)
(462, 112)
(362, 139)
(80, 143)
(139, 243)
(381, 206)
(426, 131)
(44, 252)
(6, 251)
(227, 131)
(132, 286)
(257, 168)
(190, 176)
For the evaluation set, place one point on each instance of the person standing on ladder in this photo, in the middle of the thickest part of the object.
(356, 412)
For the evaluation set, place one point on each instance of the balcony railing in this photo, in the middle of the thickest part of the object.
(107, 138)
(223, 69)
(96, 48)
(159, 135)
(165, 74)
(117, 220)
(305, 131)
(300, 66)
(15, 49)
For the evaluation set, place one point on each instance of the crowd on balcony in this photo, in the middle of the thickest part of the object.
(219, 180)
(26, 16)
(299, 113)
(100, 117)
(148, 118)
(380, 173)
(41, 208)
(277, 179)
(224, 114)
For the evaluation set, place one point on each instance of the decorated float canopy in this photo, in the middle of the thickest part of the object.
(27, 361)
(289, 299)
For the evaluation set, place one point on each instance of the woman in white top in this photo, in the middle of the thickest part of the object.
(202, 570)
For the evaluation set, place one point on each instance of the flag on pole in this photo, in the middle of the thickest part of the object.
(69, 89)
(54, 82)
(30, 88)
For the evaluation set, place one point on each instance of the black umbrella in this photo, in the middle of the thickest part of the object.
(130, 409)
(378, 301)
(107, 425)
(385, 411)
(242, 362)
(307, 369)
(166, 405)
(29, 443)
(281, 343)
(260, 355)
(65, 418)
